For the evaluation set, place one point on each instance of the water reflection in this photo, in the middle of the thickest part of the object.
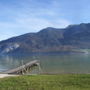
(50, 63)
(10, 62)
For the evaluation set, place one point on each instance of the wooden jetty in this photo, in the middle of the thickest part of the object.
(24, 68)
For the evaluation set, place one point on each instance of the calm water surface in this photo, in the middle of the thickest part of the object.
(50, 63)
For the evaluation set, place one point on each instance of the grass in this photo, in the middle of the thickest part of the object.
(47, 82)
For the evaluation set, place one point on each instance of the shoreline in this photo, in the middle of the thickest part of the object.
(7, 75)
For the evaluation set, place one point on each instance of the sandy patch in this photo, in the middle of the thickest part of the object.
(6, 75)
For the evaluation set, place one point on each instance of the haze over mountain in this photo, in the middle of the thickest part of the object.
(49, 40)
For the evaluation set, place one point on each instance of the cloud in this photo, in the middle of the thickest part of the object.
(30, 18)
(25, 25)
(33, 23)
(21, 16)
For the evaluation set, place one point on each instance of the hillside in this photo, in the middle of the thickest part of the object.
(49, 39)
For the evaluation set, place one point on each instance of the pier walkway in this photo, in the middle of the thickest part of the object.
(24, 68)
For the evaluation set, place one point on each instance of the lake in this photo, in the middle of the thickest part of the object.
(51, 63)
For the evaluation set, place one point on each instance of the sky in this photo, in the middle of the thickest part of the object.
(23, 16)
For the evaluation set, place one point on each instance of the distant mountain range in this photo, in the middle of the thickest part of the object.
(71, 38)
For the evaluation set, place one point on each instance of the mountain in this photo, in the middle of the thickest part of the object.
(50, 39)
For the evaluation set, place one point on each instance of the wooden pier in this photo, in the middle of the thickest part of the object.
(24, 68)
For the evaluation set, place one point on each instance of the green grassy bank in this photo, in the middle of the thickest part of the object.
(47, 82)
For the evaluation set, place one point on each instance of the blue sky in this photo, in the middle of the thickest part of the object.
(22, 16)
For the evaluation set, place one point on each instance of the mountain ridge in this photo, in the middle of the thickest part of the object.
(49, 40)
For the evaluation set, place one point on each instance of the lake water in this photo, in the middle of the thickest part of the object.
(54, 63)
